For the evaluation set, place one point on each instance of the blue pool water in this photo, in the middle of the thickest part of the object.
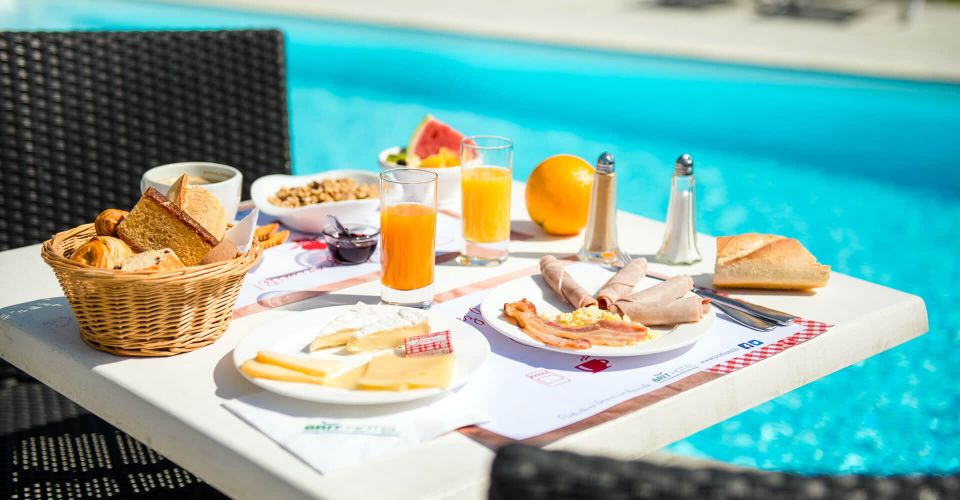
(864, 171)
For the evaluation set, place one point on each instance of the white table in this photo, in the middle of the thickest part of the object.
(175, 404)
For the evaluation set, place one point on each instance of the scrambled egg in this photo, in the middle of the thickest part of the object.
(587, 316)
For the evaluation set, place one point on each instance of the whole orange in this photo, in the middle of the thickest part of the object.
(558, 194)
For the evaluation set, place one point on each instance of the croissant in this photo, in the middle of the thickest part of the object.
(108, 220)
(104, 252)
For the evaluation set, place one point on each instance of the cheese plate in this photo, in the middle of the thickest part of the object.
(294, 334)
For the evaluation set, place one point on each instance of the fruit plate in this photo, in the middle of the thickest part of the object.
(312, 218)
(448, 179)
(590, 277)
(293, 334)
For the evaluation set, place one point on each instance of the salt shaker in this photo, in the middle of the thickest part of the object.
(600, 242)
(680, 237)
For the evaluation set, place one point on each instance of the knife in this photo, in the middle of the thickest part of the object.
(742, 318)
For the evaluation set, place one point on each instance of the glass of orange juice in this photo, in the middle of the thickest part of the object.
(408, 227)
(486, 164)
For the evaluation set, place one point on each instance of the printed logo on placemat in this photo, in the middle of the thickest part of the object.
(593, 365)
(326, 427)
(750, 344)
(667, 375)
(310, 244)
(547, 378)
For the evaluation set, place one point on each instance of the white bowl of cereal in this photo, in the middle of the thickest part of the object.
(302, 202)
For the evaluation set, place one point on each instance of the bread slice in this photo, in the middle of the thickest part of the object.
(767, 261)
(201, 204)
(152, 260)
(156, 223)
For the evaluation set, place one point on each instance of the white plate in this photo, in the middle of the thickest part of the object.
(592, 278)
(312, 218)
(294, 334)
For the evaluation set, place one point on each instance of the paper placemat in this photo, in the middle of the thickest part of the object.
(555, 394)
(302, 267)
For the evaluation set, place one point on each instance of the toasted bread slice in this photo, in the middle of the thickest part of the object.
(156, 223)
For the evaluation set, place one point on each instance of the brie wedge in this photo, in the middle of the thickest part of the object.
(364, 328)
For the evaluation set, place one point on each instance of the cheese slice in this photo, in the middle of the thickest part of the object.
(386, 338)
(303, 364)
(256, 369)
(389, 372)
(347, 379)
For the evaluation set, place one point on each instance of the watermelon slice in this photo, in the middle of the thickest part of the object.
(431, 136)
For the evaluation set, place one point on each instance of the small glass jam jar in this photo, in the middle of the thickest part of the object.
(355, 247)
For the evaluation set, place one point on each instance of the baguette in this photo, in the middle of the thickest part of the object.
(767, 261)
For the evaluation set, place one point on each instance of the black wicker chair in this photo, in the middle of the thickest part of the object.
(83, 115)
(527, 473)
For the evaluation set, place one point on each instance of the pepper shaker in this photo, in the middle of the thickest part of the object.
(680, 236)
(600, 243)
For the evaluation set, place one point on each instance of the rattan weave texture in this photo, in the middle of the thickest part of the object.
(53, 448)
(84, 114)
(528, 473)
(152, 313)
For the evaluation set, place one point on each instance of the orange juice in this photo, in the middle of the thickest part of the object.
(407, 234)
(486, 204)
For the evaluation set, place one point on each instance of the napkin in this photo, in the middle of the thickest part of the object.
(328, 437)
(241, 234)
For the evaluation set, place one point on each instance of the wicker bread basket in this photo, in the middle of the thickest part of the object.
(158, 313)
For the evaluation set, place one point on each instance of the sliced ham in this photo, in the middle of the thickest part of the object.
(674, 288)
(621, 284)
(561, 282)
(659, 313)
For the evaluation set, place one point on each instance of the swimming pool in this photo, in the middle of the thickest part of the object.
(864, 171)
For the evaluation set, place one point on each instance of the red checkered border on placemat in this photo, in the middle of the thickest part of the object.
(810, 330)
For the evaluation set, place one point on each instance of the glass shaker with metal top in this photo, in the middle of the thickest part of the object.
(600, 243)
(680, 235)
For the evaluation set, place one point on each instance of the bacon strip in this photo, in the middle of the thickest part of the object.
(612, 333)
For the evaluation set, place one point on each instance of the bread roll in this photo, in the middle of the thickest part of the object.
(202, 205)
(108, 220)
(104, 252)
(767, 261)
(152, 260)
